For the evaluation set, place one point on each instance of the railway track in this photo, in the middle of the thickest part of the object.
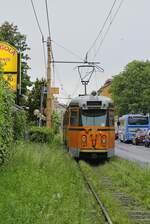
(131, 206)
(97, 198)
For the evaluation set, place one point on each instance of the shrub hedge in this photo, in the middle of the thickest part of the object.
(41, 134)
(20, 124)
(6, 120)
(56, 122)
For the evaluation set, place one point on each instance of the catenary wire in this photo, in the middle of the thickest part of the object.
(39, 27)
(111, 22)
(44, 56)
(68, 50)
(102, 28)
(36, 17)
(48, 22)
(49, 32)
(76, 88)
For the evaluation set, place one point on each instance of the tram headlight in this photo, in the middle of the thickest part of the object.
(103, 139)
(84, 139)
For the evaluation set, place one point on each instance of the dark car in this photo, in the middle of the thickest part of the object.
(139, 137)
(147, 139)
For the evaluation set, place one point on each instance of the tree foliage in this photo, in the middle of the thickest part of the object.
(56, 122)
(41, 134)
(34, 98)
(131, 88)
(6, 120)
(10, 34)
(19, 124)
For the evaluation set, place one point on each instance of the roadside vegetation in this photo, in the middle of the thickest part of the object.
(120, 176)
(130, 178)
(130, 89)
(6, 120)
(42, 184)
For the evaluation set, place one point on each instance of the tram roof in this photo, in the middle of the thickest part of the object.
(81, 101)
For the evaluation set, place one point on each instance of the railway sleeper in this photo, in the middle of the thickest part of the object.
(137, 215)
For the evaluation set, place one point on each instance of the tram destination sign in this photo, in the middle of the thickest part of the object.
(9, 61)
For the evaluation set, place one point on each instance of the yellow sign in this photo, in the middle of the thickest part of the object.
(9, 61)
(55, 90)
(12, 80)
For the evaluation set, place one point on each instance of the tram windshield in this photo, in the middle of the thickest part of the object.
(138, 120)
(94, 117)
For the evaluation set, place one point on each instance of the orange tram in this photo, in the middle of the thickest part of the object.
(88, 127)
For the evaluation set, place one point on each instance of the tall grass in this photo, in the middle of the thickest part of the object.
(123, 177)
(41, 185)
(117, 214)
(130, 178)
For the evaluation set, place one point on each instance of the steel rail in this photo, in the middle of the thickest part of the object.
(133, 208)
(97, 198)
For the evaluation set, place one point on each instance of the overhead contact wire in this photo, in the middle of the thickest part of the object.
(39, 27)
(49, 32)
(36, 17)
(101, 30)
(117, 11)
(68, 50)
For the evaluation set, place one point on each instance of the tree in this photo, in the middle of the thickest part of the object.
(10, 34)
(6, 120)
(56, 122)
(131, 88)
(34, 98)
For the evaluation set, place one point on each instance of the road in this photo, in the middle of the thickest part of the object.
(131, 152)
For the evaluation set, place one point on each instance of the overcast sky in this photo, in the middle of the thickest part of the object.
(75, 25)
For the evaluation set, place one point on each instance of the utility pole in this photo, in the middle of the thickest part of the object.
(49, 90)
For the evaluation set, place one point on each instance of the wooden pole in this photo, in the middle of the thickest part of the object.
(49, 92)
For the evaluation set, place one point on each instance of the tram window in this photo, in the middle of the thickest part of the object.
(74, 118)
(94, 118)
(65, 120)
(111, 118)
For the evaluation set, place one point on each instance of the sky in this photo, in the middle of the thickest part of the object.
(75, 25)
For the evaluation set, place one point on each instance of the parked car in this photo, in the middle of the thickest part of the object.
(139, 137)
(147, 139)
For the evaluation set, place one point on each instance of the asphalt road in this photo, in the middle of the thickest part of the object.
(138, 153)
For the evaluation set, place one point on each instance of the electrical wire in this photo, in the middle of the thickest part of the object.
(48, 22)
(44, 56)
(102, 28)
(40, 30)
(111, 22)
(61, 83)
(36, 17)
(54, 72)
(76, 88)
(49, 32)
(68, 50)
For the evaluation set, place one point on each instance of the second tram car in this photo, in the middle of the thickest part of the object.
(88, 127)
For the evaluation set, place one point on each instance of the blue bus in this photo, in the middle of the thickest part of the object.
(129, 124)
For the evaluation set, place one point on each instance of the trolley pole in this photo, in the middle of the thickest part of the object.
(49, 91)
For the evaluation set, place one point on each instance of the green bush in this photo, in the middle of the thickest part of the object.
(58, 139)
(6, 120)
(41, 134)
(20, 124)
(56, 122)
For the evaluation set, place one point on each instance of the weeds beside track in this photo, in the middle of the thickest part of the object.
(97, 198)
(124, 189)
(41, 184)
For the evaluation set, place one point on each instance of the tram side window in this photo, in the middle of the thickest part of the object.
(111, 118)
(74, 118)
(65, 120)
